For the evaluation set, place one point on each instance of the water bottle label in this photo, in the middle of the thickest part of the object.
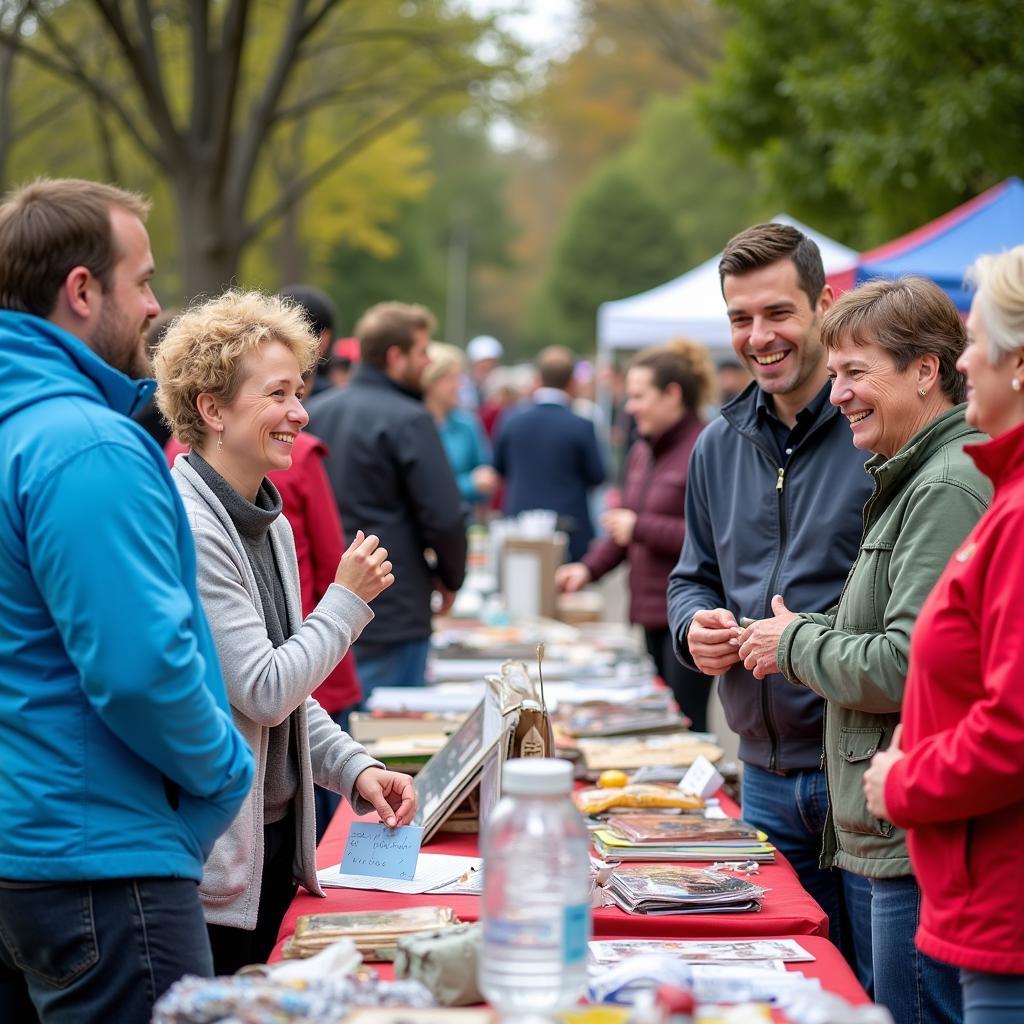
(575, 933)
(528, 933)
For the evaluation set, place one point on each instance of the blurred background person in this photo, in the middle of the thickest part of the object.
(230, 384)
(892, 352)
(733, 379)
(390, 477)
(485, 354)
(148, 417)
(548, 456)
(666, 388)
(341, 362)
(460, 431)
(955, 777)
(322, 315)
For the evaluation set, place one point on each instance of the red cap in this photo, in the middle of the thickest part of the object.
(346, 348)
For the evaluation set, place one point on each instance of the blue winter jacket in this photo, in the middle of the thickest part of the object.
(118, 756)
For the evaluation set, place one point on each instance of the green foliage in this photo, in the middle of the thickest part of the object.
(466, 197)
(245, 115)
(707, 196)
(617, 239)
(872, 116)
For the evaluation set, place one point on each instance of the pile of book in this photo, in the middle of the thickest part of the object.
(654, 713)
(676, 889)
(683, 837)
(375, 933)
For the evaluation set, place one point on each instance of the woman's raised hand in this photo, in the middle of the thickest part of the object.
(364, 568)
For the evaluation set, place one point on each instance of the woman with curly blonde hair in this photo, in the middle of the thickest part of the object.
(230, 385)
(666, 389)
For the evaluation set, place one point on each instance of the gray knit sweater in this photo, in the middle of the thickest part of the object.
(265, 685)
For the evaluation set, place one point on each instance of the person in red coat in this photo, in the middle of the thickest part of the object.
(954, 778)
(665, 389)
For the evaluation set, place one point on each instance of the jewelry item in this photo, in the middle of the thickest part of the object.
(922, 392)
(1015, 384)
(220, 441)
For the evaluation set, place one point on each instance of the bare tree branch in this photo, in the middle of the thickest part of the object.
(300, 25)
(346, 151)
(146, 77)
(68, 66)
(228, 62)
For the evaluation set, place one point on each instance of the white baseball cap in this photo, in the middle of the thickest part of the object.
(484, 346)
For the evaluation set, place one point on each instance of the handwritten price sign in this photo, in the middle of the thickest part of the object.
(378, 851)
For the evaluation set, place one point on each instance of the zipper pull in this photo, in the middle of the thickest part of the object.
(778, 483)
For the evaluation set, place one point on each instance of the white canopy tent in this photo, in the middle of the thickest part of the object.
(691, 305)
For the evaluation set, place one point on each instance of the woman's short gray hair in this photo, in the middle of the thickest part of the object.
(999, 279)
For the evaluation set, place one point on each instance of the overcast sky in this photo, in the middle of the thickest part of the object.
(546, 25)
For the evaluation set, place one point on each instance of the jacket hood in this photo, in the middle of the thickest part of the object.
(39, 360)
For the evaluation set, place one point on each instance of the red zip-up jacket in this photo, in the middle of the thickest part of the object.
(959, 791)
(308, 503)
(655, 489)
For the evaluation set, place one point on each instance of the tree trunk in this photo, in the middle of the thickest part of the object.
(210, 237)
(290, 249)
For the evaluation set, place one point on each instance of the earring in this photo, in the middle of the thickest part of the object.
(220, 440)
(922, 392)
(1015, 384)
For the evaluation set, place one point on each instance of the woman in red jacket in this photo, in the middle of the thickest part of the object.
(955, 778)
(665, 389)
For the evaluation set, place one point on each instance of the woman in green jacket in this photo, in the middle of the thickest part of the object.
(893, 347)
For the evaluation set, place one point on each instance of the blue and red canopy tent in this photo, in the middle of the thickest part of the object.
(943, 249)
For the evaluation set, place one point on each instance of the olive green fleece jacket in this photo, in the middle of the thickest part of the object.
(926, 499)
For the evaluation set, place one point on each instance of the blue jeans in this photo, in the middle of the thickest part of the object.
(86, 952)
(913, 987)
(400, 664)
(792, 810)
(992, 998)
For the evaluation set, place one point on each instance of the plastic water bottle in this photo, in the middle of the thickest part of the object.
(536, 898)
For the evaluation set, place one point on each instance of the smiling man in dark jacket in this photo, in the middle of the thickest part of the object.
(391, 477)
(773, 506)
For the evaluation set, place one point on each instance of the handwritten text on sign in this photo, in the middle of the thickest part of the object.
(382, 852)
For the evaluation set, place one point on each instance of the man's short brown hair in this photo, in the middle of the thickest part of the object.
(388, 324)
(556, 365)
(51, 226)
(909, 317)
(765, 244)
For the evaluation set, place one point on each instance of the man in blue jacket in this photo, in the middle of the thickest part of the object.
(773, 506)
(549, 456)
(119, 762)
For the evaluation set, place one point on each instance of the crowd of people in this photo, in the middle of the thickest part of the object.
(179, 605)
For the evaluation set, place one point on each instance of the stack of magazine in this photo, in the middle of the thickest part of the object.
(657, 837)
(375, 933)
(676, 889)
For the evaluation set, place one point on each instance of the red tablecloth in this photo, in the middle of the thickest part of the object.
(787, 910)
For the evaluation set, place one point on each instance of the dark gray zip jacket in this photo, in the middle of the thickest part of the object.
(755, 528)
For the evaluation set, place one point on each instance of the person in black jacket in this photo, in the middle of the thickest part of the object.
(773, 506)
(390, 477)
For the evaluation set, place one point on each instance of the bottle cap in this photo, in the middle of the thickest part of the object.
(536, 776)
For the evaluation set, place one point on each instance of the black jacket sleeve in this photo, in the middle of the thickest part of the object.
(434, 497)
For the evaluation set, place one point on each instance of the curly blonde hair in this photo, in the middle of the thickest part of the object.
(203, 350)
